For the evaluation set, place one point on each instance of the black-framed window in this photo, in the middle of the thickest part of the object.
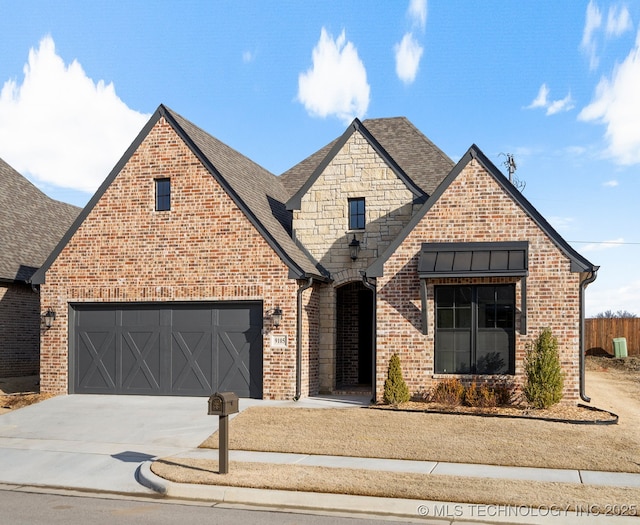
(475, 329)
(163, 194)
(356, 214)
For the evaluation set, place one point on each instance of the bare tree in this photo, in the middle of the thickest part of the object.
(610, 314)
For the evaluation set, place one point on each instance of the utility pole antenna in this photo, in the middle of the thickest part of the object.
(510, 164)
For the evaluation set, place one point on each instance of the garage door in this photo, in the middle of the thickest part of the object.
(169, 349)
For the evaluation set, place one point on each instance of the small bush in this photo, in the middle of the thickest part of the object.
(480, 396)
(448, 392)
(395, 389)
(505, 394)
(543, 374)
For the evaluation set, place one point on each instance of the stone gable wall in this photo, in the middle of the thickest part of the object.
(203, 249)
(474, 208)
(322, 223)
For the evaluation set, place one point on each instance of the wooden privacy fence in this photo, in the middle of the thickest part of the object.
(599, 334)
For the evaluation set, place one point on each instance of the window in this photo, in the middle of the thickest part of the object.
(356, 214)
(475, 329)
(163, 194)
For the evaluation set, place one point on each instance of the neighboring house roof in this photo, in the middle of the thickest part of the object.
(403, 145)
(31, 224)
(578, 262)
(256, 191)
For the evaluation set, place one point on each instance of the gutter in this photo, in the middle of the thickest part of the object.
(583, 285)
(299, 339)
(373, 288)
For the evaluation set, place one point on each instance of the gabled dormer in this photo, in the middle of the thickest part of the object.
(354, 191)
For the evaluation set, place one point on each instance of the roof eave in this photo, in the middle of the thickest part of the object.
(578, 262)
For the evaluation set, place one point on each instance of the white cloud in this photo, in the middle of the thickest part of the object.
(59, 126)
(565, 104)
(618, 20)
(408, 51)
(408, 54)
(605, 245)
(418, 12)
(607, 295)
(616, 104)
(553, 107)
(336, 84)
(593, 22)
(541, 99)
(247, 57)
(610, 183)
(562, 223)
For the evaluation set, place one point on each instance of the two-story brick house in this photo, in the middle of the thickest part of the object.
(193, 269)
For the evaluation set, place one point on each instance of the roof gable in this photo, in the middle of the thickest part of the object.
(25, 246)
(332, 150)
(416, 156)
(258, 193)
(578, 262)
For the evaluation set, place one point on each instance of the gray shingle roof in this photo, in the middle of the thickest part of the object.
(423, 162)
(31, 224)
(261, 193)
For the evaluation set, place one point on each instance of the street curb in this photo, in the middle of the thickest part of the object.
(280, 498)
(432, 512)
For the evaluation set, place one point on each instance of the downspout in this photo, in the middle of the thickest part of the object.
(299, 340)
(583, 285)
(372, 287)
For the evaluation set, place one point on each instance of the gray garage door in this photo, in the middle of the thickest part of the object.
(168, 349)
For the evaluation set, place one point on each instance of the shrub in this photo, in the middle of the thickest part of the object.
(448, 392)
(395, 389)
(480, 396)
(543, 374)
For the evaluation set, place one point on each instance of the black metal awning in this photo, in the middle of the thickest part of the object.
(473, 259)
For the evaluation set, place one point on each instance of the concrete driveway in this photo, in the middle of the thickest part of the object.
(97, 442)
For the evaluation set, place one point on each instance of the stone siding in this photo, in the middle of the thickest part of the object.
(475, 208)
(322, 223)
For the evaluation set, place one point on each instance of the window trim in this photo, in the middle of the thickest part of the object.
(357, 216)
(162, 200)
(474, 329)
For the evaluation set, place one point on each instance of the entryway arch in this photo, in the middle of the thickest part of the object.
(354, 337)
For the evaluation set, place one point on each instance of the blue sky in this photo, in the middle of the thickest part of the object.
(556, 84)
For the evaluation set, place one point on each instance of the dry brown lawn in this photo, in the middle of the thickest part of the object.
(18, 392)
(436, 437)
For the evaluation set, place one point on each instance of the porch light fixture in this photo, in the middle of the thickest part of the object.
(354, 248)
(276, 316)
(48, 317)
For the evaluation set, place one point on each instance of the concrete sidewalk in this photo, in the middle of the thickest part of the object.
(433, 511)
(106, 444)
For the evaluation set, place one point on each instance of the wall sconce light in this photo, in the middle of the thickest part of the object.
(48, 317)
(276, 316)
(354, 248)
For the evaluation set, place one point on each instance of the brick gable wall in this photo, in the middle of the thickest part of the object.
(475, 208)
(19, 330)
(203, 249)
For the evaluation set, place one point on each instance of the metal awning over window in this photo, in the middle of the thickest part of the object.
(473, 259)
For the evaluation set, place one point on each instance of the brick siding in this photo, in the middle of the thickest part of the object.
(475, 208)
(203, 249)
(19, 330)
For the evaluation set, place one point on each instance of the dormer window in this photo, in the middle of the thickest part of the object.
(163, 194)
(356, 214)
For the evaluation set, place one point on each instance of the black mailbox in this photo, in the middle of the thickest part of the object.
(223, 404)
